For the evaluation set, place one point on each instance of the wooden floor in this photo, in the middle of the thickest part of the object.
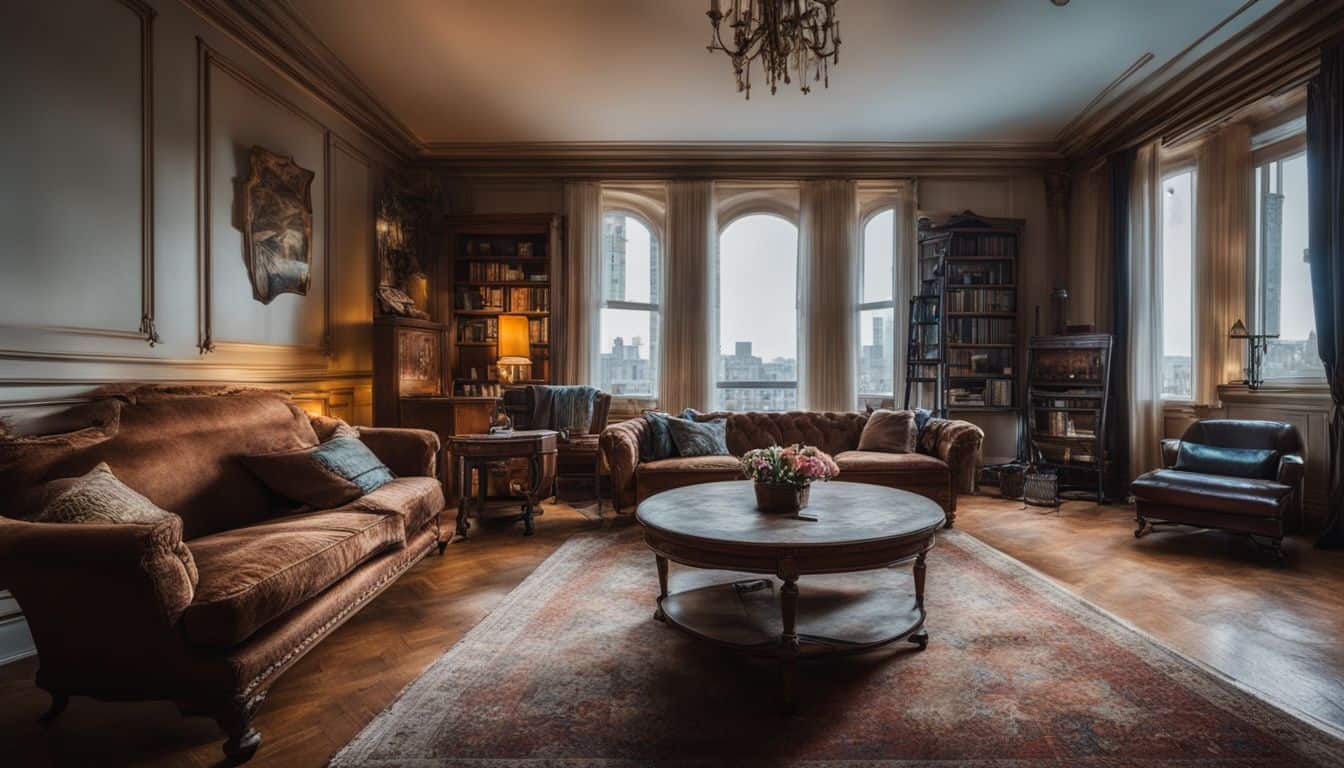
(1211, 596)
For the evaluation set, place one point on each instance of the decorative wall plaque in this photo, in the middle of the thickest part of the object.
(277, 225)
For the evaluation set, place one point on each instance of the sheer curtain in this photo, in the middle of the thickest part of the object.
(583, 278)
(1223, 213)
(1145, 317)
(828, 276)
(685, 374)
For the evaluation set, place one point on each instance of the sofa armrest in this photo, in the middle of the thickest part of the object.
(1291, 469)
(103, 601)
(620, 448)
(407, 452)
(1171, 448)
(959, 447)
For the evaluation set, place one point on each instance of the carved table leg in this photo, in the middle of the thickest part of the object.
(789, 646)
(920, 638)
(662, 587)
(463, 490)
(534, 478)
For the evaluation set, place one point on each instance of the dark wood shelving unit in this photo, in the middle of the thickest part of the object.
(1068, 388)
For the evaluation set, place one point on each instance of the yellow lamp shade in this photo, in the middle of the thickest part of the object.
(513, 339)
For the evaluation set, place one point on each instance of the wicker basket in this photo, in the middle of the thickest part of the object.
(1040, 489)
(1011, 480)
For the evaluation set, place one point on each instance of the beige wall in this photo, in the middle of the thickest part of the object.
(101, 216)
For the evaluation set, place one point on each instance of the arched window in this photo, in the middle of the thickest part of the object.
(628, 361)
(758, 314)
(877, 311)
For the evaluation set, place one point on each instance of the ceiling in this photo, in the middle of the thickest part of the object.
(455, 71)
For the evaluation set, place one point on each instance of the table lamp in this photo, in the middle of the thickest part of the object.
(514, 363)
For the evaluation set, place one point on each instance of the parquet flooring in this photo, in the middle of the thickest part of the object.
(1207, 594)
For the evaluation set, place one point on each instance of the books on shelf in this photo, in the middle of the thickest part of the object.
(478, 329)
(987, 246)
(496, 272)
(980, 273)
(990, 392)
(529, 299)
(981, 330)
(538, 330)
(481, 297)
(984, 300)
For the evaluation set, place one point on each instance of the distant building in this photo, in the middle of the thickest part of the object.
(743, 366)
(623, 371)
(877, 364)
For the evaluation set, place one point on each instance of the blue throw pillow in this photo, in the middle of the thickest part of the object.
(660, 445)
(324, 476)
(349, 458)
(699, 438)
(1260, 463)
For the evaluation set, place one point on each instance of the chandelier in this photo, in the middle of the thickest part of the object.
(792, 38)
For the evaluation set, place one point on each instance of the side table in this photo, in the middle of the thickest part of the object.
(476, 452)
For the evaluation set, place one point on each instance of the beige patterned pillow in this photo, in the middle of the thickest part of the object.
(99, 497)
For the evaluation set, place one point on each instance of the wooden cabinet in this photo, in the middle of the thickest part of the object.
(1068, 386)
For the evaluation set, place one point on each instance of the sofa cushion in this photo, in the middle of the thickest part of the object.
(99, 497)
(659, 444)
(324, 476)
(657, 476)
(831, 432)
(416, 500)
(249, 576)
(1261, 463)
(889, 432)
(1249, 497)
(699, 438)
(881, 461)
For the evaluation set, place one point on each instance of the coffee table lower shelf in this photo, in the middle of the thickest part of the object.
(833, 615)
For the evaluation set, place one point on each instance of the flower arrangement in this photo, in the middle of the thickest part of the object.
(783, 475)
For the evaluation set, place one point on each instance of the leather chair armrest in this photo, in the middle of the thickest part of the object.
(1170, 448)
(1291, 469)
(620, 449)
(959, 447)
(407, 452)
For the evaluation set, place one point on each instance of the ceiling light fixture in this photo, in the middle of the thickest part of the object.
(790, 37)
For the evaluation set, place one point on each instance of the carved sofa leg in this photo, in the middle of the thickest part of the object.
(241, 739)
(1144, 528)
(59, 701)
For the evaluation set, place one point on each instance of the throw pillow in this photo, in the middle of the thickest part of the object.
(930, 435)
(99, 497)
(1261, 463)
(324, 476)
(699, 438)
(889, 432)
(659, 444)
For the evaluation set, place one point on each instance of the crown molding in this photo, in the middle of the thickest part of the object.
(1197, 91)
(728, 160)
(277, 33)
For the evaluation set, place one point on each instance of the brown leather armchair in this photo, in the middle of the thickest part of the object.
(577, 455)
(1235, 475)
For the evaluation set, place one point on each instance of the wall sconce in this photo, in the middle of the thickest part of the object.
(1257, 344)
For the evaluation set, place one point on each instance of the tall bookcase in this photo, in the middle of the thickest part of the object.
(970, 264)
(491, 266)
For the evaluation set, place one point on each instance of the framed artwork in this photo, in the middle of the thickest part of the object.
(277, 225)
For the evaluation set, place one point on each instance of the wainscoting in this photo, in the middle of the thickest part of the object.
(122, 244)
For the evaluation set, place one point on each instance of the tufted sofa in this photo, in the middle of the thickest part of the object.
(117, 613)
(944, 465)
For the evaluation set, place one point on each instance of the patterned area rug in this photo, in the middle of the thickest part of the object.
(571, 670)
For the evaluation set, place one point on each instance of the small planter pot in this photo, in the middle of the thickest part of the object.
(781, 497)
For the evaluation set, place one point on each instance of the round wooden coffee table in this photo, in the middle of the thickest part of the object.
(864, 529)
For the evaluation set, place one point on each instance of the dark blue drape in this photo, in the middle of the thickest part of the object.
(1121, 166)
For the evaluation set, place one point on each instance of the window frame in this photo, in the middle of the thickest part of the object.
(653, 306)
(759, 208)
(1176, 167)
(880, 207)
(1279, 151)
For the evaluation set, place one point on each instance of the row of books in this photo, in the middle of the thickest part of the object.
(481, 297)
(529, 299)
(538, 330)
(980, 330)
(495, 299)
(475, 330)
(983, 246)
(991, 393)
(980, 273)
(1060, 424)
(478, 271)
(966, 362)
(987, 300)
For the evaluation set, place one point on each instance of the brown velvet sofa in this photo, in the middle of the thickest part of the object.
(117, 614)
(1257, 506)
(947, 468)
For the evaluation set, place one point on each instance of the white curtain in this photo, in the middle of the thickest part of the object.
(828, 278)
(582, 283)
(1223, 220)
(1145, 296)
(685, 373)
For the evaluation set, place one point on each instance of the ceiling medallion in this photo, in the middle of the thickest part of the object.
(790, 37)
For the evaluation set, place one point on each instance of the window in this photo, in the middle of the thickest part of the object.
(1177, 297)
(758, 315)
(877, 310)
(1282, 301)
(628, 363)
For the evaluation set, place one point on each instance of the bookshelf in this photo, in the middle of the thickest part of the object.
(1068, 386)
(493, 266)
(970, 263)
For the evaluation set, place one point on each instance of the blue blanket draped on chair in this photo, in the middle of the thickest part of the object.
(566, 408)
